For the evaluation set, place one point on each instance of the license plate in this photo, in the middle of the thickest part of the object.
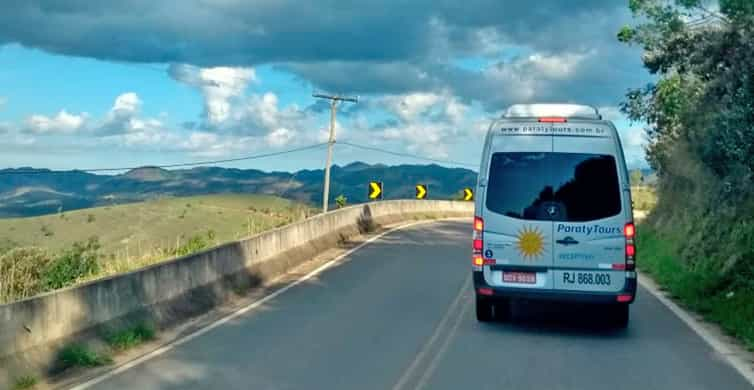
(520, 277)
(576, 278)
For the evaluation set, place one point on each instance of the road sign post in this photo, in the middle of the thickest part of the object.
(375, 190)
(422, 191)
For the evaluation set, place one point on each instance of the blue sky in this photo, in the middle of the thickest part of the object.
(122, 91)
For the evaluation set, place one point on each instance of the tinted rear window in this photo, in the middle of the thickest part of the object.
(559, 186)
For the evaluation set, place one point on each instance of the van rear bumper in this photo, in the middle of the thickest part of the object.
(554, 295)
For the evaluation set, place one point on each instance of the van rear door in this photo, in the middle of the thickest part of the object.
(589, 246)
(517, 228)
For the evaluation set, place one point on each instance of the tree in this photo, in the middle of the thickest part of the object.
(701, 105)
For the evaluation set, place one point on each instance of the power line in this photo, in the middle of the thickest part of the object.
(176, 165)
(236, 159)
(375, 149)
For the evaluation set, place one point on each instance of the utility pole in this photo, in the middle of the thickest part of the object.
(334, 99)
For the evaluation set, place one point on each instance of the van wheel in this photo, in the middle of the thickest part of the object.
(619, 315)
(483, 309)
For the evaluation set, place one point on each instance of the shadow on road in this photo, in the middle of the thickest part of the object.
(560, 319)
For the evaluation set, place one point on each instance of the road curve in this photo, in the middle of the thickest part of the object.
(399, 315)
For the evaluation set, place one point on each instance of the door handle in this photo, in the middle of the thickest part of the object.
(567, 241)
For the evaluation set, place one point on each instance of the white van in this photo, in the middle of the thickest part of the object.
(553, 216)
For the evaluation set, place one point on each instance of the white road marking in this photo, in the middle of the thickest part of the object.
(722, 347)
(172, 345)
(423, 352)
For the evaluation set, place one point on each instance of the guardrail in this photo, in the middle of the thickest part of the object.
(32, 329)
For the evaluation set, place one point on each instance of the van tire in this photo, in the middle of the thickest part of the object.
(483, 309)
(619, 315)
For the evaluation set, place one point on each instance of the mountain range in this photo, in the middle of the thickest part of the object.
(30, 192)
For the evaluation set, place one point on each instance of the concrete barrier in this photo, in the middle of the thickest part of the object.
(179, 288)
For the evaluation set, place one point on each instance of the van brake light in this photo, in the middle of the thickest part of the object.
(553, 119)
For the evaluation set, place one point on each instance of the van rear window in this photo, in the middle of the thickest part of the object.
(572, 187)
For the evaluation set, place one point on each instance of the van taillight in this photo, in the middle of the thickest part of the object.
(629, 231)
(476, 255)
(630, 250)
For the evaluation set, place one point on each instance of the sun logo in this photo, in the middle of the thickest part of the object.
(530, 243)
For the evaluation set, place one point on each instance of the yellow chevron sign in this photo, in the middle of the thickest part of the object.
(375, 190)
(421, 191)
(468, 194)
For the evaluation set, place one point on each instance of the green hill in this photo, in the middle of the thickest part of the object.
(27, 192)
(138, 229)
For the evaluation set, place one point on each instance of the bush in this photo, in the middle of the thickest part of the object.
(341, 201)
(77, 355)
(194, 244)
(25, 382)
(130, 337)
(21, 273)
(90, 218)
(79, 261)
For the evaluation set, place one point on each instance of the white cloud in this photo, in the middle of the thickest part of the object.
(554, 66)
(62, 123)
(633, 137)
(229, 111)
(428, 124)
(634, 142)
(127, 103)
(123, 117)
(414, 106)
(280, 137)
(409, 107)
(424, 139)
(219, 85)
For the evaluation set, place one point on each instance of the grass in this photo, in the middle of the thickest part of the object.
(130, 337)
(78, 355)
(136, 228)
(25, 382)
(701, 289)
(136, 235)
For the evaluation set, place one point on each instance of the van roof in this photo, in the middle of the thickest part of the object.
(552, 110)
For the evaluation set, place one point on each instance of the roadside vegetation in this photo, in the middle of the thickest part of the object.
(723, 297)
(698, 240)
(40, 254)
(25, 382)
(79, 355)
(644, 197)
(130, 337)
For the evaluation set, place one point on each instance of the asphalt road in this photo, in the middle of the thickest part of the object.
(399, 315)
